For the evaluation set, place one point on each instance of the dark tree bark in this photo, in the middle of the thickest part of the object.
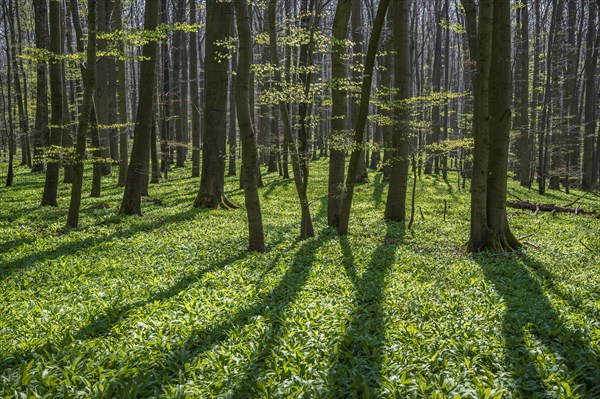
(56, 121)
(337, 151)
(89, 76)
(247, 136)
(306, 227)
(12, 59)
(137, 173)
(480, 234)
(399, 154)
(232, 136)
(194, 93)
(41, 135)
(502, 238)
(122, 89)
(101, 102)
(492, 83)
(590, 94)
(361, 121)
(522, 96)
(212, 181)
(358, 38)
(10, 127)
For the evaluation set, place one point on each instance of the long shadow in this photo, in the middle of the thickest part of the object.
(531, 323)
(8, 268)
(272, 306)
(273, 185)
(254, 371)
(355, 372)
(103, 324)
(12, 244)
(378, 191)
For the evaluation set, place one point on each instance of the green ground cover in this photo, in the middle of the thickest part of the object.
(171, 305)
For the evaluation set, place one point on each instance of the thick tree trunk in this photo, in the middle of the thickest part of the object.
(399, 157)
(137, 174)
(500, 115)
(337, 157)
(212, 181)
(480, 232)
(247, 136)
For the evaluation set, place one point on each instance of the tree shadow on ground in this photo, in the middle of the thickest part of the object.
(71, 247)
(355, 372)
(247, 383)
(273, 306)
(270, 187)
(531, 326)
(378, 190)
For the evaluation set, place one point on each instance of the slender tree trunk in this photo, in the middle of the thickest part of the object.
(101, 89)
(195, 93)
(232, 137)
(137, 174)
(122, 89)
(55, 47)
(306, 227)
(247, 136)
(11, 133)
(41, 135)
(522, 96)
(590, 94)
(89, 76)
(361, 120)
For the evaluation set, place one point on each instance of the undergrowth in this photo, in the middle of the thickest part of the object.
(172, 305)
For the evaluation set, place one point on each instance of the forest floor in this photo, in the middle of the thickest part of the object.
(172, 305)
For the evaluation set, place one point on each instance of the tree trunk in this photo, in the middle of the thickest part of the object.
(194, 93)
(396, 201)
(137, 174)
(522, 96)
(590, 94)
(212, 181)
(56, 121)
(247, 136)
(480, 232)
(306, 227)
(122, 89)
(41, 134)
(363, 113)
(101, 102)
(89, 76)
(500, 114)
(337, 157)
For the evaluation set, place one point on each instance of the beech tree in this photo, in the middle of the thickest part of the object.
(247, 135)
(212, 180)
(89, 78)
(137, 173)
(56, 98)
